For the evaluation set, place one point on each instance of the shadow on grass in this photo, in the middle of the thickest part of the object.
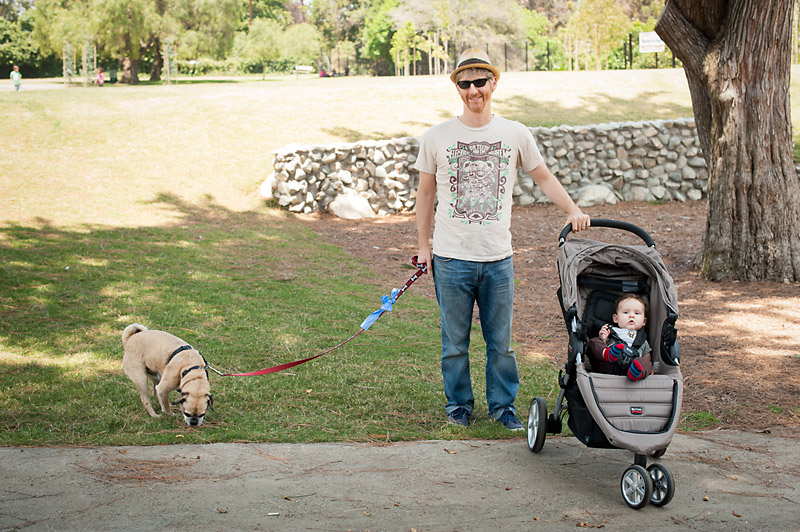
(601, 108)
(58, 282)
(248, 289)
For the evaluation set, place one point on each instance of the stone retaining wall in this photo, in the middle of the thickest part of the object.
(605, 163)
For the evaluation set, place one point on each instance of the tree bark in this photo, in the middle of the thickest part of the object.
(158, 61)
(129, 70)
(737, 59)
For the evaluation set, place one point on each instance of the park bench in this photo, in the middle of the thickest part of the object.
(302, 69)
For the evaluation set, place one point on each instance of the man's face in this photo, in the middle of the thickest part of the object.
(475, 98)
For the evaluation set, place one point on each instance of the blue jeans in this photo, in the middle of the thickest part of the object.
(459, 285)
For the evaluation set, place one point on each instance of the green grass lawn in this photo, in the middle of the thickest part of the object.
(139, 204)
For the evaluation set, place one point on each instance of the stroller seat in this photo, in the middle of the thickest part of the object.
(627, 413)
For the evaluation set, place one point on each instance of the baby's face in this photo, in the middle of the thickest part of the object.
(630, 315)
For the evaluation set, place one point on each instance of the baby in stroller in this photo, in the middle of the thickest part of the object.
(623, 350)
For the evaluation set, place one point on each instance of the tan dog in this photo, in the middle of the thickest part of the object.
(171, 364)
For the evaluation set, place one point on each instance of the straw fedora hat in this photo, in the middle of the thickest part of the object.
(474, 58)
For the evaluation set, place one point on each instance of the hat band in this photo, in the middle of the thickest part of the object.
(473, 61)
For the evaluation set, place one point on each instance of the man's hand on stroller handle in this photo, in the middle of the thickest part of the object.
(578, 220)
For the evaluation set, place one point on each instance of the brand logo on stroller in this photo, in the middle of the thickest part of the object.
(637, 411)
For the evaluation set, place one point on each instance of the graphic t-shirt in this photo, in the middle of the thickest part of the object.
(16, 77)
(476, 169)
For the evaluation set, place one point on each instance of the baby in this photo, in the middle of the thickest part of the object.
(623, 350)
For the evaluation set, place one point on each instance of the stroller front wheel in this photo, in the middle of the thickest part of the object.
(663, 484)
(636, 486)
(537, 424)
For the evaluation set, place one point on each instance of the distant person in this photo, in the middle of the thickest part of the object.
(323, 74)
(99, 79)
(470, 163)
(16, 78)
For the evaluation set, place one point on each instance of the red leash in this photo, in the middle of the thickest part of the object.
(387, 300)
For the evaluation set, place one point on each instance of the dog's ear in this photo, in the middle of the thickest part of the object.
(181, 400)
(210, 401)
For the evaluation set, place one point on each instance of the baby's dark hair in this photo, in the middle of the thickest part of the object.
(631, 296)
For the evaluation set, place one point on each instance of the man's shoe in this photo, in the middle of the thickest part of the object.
(510, 421)
(459, 416)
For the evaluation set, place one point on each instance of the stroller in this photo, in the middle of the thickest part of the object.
(609, 411)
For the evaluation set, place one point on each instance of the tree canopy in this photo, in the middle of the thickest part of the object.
(373, 36)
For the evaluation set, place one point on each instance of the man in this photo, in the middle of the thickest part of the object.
(470, 164)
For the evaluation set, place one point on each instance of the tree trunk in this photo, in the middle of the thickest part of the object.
(596, 48)
(736, 55)
(129, 70)
(158, 61)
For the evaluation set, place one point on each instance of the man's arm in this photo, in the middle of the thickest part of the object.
(552, 188)
(426, 193)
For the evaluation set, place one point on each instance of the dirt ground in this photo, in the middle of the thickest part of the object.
(740, 354)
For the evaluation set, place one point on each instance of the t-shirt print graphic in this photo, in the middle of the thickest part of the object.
(478, 175)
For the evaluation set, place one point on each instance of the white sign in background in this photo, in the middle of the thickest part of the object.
(650, 42)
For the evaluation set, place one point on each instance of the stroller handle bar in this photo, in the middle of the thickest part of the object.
(613, 224)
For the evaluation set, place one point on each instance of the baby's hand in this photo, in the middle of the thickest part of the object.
(604, 332)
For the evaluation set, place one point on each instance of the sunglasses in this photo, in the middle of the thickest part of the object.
(464, 84)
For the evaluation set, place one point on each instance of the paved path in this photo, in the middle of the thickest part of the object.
(725, 481)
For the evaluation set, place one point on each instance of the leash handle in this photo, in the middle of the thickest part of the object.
(422, 269)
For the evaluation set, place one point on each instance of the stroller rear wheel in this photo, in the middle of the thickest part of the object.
(537, 423)
(663, 484)
(636, 486)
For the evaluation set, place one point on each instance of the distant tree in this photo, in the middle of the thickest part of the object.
(337, 21)
(737, 58)
(277, 10)
(211, 25)
(537, 32)
(600, 23)
(125, 29)
(465, 22)
(263, 43)
(10, 10)
(300, 44)
(405, 44)
(16, 45)
(377, 35)
(57, 23)
(556, 11)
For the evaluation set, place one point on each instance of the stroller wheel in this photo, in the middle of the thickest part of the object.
(537, 424)
(663, 484)
(636, 486)
(659, 453)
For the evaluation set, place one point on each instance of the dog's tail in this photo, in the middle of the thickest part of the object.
(130, 330)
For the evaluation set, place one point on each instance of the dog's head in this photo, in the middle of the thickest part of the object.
(194, 403)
